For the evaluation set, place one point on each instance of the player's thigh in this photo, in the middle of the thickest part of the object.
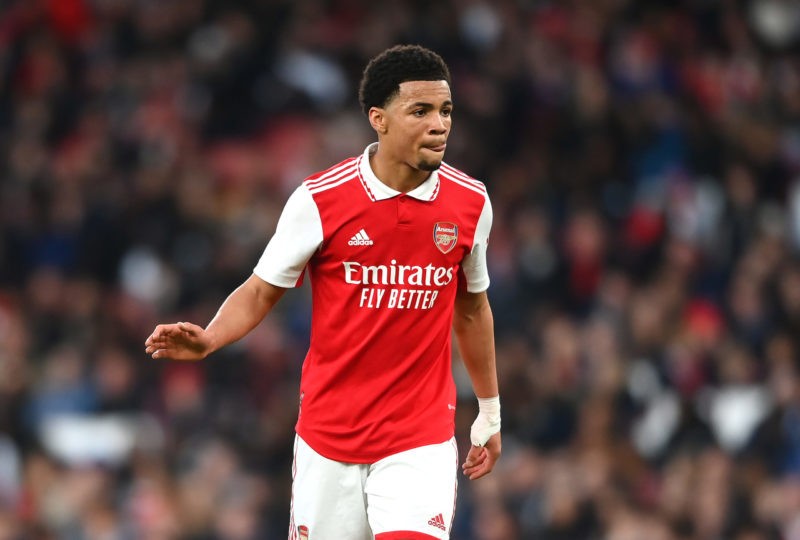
(328, 501)
(411, 495)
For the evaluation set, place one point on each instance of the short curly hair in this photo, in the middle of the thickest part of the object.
(381, 79)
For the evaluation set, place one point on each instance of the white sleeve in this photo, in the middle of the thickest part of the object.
(474, 264)
(297, 236)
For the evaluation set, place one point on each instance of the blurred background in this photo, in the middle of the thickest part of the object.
(643, 159)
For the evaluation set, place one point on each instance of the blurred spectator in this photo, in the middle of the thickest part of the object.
(644, 163)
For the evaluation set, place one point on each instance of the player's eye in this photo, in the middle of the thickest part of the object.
(419, 112)
(447, 112)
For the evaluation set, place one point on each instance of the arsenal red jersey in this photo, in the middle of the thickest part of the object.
(384, 269)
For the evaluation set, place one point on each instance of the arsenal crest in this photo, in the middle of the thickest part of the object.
(445, 236)
(302, 530)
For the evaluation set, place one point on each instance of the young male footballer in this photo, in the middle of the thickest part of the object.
(394, 243)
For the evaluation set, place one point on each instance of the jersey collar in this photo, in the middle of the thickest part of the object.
(378, 191)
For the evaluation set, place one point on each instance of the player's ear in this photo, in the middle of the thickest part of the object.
(377, 119)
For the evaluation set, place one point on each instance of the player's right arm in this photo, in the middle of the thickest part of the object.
(297, 236)
(244, 308)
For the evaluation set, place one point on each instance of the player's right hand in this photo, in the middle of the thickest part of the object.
(178, 341)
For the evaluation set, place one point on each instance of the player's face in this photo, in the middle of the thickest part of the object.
(418, 121)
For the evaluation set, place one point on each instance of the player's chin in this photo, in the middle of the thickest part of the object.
(429, 164)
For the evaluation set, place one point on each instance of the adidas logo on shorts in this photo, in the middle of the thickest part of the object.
(360, 239)
(438, 522)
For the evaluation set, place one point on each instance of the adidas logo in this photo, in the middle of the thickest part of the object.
(438, 522)
(360, 239)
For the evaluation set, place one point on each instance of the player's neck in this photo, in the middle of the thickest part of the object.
(396, 174)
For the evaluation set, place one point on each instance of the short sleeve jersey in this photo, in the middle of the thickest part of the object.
(384, 268)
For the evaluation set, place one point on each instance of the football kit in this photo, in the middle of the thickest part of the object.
(384, 268)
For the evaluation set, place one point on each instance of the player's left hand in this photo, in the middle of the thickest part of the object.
(481, 459)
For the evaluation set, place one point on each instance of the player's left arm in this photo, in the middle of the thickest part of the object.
(473, 325)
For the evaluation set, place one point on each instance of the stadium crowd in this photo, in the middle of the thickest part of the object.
(643, 159)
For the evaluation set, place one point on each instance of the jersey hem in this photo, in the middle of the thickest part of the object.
(367, 458)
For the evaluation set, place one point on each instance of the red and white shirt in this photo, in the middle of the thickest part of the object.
(384, 269)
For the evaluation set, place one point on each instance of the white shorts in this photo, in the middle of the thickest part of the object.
(406, 496)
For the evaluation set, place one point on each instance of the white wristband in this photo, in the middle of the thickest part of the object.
(488, 421)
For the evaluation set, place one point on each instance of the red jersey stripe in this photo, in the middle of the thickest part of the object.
(462, 183)
(332, 184)
(452, 171)
(332, 174)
